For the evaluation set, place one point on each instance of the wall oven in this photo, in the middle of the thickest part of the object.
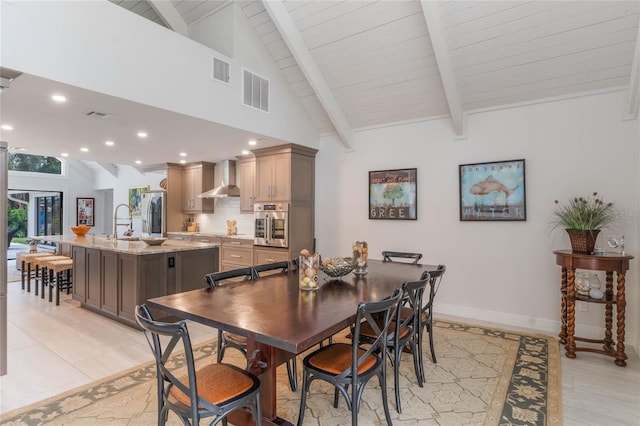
(271, 222)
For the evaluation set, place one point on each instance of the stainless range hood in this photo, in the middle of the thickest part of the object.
(228, 186)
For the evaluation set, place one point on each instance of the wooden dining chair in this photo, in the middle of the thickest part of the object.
(350, 365)
(271, 268)
(401, 333)
(214, 390)
(425, 319)
(388, 256)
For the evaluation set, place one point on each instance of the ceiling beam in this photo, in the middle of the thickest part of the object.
(109, 167)
(431, 14)
(292, 38)
(633, 92)
(170, 16)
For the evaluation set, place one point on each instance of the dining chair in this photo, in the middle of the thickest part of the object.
(214, 390)
(401, 332)
(344, 365)
(425, 319)
(284, 266)
(226, 339)
(388, 256)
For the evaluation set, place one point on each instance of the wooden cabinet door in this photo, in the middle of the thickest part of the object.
(264, 178)
(188, 182)
(127, 286)
(196, 180)
(79, 273)
(281, 184)
(109, 296)
(247, 182)
(93, 277)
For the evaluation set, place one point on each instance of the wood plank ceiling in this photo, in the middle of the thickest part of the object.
(384, 62)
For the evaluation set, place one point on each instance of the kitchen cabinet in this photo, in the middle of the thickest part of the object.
(196, 179)
(285, 173)
(246, 182)
(236, 253)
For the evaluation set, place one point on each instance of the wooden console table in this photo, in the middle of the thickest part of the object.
(610, 263)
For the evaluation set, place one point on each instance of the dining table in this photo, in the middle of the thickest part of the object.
(280, 320)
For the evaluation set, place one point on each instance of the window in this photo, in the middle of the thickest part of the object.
(34, 163)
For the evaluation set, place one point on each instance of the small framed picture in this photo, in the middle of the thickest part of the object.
(85, 208)
(135, 197)
(393, 194)
(493, 191)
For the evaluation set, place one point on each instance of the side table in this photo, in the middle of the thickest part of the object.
(610, 263)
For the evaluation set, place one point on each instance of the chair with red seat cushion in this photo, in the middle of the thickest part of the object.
(214, 390)
(344, 365)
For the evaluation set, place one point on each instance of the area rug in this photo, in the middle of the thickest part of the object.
(483, 377)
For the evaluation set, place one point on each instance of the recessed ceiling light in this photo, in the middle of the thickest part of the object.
(245, 152)
(7, 127)
(183, 154)
(142, 134)
(252, 142)
(109, 143)
(59, 98)
(138, 162)
(84, 149)
(64, 154)
(183, 161)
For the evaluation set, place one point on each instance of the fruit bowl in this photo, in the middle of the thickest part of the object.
(80, 230)
(154, 241)
(337, 266)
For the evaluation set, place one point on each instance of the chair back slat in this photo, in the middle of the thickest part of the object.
(388, 256)
(215, 279)
(284, 266)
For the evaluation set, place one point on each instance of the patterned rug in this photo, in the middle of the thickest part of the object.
(483, 377)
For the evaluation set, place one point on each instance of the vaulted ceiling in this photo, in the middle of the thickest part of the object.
(359, 64)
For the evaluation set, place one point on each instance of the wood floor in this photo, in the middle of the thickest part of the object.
(53, 349)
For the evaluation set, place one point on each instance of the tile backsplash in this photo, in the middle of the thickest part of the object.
(225, 209)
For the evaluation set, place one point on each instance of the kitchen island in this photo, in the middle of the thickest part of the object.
(111, 277)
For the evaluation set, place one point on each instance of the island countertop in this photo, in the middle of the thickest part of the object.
(124, 246)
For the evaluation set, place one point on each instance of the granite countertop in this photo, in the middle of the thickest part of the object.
(213, 235)
(122, 246)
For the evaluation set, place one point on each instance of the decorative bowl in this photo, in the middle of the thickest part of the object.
(80, 230)
(337, 266)
(154, 241)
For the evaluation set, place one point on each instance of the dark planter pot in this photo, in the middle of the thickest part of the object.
(583, 241)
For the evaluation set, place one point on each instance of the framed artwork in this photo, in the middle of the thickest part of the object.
(493, 191)
(85, 208)
(135, 196)
(393, 194)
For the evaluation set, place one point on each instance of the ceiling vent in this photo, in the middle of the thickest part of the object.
(220, 70)
(255, 91)
(97, 114)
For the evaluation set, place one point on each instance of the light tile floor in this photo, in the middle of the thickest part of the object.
(53, 349)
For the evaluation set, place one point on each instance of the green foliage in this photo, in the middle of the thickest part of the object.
(34, 163)
(393, 192)
(584, 213)
(18, 219)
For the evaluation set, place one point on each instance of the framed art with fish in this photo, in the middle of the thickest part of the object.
(393, 194)
(493, 191)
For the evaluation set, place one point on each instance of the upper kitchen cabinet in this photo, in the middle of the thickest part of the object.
(196, 179)
(246, 182)
(284, 173)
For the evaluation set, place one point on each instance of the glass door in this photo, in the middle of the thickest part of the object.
(49, 215)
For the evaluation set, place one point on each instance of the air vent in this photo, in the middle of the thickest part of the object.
(255, 92)
(220, 70)
(97, 114)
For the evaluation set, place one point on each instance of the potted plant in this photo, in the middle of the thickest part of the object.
(583, 218)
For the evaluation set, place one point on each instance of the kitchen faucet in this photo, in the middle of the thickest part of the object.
(116, 224)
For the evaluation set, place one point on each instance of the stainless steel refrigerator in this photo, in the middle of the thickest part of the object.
(153, 209)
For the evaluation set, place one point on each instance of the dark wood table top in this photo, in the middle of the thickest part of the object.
(273, 311)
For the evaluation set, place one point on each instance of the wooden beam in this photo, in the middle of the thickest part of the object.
(633, 92)
(292, 38)
(111, 168)
(170, 16)
(432, 17)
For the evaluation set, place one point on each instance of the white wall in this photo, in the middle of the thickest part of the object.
(100, 46)
(78, 181)
(500, 271)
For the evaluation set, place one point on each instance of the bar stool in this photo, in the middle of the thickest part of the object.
(58, 268)
(25, 259)
(41, 265)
